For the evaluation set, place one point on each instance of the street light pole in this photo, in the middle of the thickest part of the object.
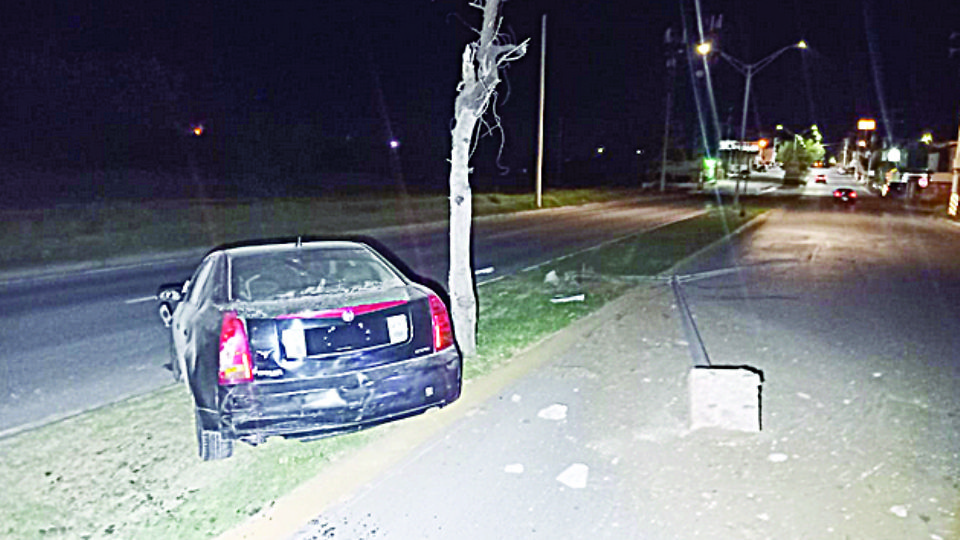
(748, 70)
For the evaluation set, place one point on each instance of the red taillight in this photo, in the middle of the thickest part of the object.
(442, 330)
(837, 193)
(853, 194)
(235, 363)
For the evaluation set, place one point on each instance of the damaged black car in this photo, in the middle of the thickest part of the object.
(306, 340)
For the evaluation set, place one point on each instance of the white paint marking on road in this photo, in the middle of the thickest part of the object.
(575, 476)
(141, 300)
(484, 271)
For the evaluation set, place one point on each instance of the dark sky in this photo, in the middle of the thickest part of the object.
(326, 61)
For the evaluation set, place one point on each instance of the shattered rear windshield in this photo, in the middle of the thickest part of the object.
(305, 272)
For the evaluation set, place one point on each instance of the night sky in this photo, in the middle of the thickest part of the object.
(328, 74)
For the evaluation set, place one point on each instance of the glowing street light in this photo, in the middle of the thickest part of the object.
(704, 48)
(748, 70)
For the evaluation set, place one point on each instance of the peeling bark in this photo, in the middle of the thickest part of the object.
(480, 75)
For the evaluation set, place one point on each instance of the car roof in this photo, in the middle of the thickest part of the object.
(290, 246)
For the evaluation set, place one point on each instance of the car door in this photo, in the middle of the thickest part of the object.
(185, 321)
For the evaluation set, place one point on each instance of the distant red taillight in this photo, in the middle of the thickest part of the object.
(442, 329)
(853, 194)
(837, 193)
(235, 363)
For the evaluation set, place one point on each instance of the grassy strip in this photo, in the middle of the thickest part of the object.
(106, 230)
(130, 470)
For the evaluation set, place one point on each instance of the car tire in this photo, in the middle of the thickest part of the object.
(166, 314)
(211, 444)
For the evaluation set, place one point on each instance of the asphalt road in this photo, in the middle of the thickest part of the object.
(76, 340)
(851, 312)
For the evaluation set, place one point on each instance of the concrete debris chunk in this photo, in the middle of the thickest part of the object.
(557, 411)
(575, 476)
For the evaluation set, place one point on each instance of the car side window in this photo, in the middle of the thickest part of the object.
(201, 281)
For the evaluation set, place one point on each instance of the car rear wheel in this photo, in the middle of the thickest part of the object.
(212, 444)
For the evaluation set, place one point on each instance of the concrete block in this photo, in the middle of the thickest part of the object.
(725, 397)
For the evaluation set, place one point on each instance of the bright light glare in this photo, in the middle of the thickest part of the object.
(394, 144)
(198, 130)
(867, 124)
(704, 48)
(802, 44)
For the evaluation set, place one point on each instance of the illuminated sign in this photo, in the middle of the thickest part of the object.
(745, 146)
(866, 124)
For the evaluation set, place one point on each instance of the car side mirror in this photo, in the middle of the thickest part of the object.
(168, 296)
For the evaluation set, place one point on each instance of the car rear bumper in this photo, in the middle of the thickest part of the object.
(324, 406)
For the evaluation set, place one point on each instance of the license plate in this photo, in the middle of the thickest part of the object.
(294, 342)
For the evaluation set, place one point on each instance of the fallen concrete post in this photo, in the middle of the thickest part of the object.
(725, 397)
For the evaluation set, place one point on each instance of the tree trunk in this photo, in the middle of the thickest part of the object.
(462, 289)
(480, 71)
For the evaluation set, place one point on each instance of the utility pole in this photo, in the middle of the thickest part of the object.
(543, 87)
(954, 196)
(671, 80)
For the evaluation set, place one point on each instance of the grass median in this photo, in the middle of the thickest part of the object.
(96, 233)
(129, 470)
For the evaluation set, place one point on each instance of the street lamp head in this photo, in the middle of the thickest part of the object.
(704, 48)
(802, 44)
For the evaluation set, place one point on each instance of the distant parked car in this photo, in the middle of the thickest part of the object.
(820, 179)
(306, 340)
(845, 195)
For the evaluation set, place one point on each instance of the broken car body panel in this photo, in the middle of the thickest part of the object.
(335, 339)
